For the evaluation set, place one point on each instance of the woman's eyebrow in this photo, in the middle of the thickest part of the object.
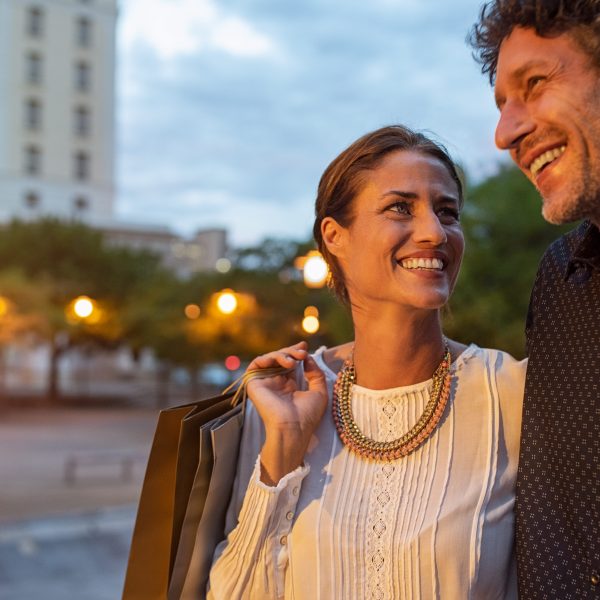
(401, 194)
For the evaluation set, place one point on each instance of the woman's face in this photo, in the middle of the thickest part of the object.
(405, 243)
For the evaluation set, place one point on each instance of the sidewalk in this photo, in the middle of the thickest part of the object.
(66, 535)
(77, 557)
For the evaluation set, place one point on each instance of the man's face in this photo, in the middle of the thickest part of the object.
(548, 94)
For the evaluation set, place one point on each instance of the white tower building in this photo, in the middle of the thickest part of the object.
(57, 108)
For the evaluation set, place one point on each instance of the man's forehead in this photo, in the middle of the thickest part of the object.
(523, 51)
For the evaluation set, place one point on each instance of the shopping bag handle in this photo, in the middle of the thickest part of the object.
(239, 385)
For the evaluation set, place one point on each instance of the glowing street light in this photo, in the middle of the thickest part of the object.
(310, 324)
(227, 302)
(83, 307)
(3, 306)
(314, 269)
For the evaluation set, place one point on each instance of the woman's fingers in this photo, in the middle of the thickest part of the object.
(286, 357)
(314, 376)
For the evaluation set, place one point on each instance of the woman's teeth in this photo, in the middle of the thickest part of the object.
(422, 263)
(543, 159)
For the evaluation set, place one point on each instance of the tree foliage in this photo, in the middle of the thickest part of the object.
(505, 239)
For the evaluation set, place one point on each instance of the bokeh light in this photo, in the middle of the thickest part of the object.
(315, 270)
(310, 324)
(232, 363)
(192, 311)
(223, 265)
(83, 307)
(227, 302)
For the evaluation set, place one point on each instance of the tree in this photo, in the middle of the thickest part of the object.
(505, 239)
(61, 261)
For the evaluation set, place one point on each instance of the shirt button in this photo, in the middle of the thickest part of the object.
(283, 540)
(289, 516)
(595, 578)
(295, 491)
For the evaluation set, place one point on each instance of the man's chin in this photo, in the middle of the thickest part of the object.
(557, 214)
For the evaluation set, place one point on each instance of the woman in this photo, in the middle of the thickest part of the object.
(321, 508)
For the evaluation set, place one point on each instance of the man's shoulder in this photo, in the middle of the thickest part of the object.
(559, 253)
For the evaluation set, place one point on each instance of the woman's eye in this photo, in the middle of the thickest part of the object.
(402, 208)
(448, 213)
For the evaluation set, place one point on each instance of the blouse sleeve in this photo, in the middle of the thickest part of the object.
(251, 561)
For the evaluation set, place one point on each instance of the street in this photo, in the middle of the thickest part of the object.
(70, 480)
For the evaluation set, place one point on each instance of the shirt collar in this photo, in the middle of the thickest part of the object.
(586, 253)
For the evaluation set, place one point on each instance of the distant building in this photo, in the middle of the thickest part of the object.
(184, 256)
(57, 127)
(57, 108)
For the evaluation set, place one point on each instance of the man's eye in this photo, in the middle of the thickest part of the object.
(533, 81)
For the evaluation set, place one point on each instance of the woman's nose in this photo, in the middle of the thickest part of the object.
(428, 229)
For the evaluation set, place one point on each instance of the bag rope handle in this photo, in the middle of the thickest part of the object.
(241, 382)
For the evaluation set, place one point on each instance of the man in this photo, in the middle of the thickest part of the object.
(543, 58)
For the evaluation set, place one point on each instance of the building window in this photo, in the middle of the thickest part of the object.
(83, 32)
(82, 77)
(82, 121)
(33, 68)
(35, 21)
(33, 160)
(32, 200)
(33, 115)
(82, 166)
(81, 205)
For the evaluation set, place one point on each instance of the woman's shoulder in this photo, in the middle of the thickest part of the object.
(330, 360)
(506, 371)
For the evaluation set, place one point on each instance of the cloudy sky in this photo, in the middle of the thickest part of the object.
(229, 110)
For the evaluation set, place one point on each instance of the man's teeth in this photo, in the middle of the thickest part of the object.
(423, 263)
(543, 159)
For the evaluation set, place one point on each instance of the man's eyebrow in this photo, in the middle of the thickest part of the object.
(519, 73)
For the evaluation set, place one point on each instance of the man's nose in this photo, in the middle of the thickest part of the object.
(513, 125)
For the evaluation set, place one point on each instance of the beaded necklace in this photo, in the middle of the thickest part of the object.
(368, 448)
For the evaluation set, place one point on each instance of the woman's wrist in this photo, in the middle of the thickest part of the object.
(282, 453)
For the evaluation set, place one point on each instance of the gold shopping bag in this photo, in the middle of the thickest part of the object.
(185, 495)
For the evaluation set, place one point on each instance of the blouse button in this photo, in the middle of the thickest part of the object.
(295, 491)
(283, 540)
(595, 578)
(289, 516)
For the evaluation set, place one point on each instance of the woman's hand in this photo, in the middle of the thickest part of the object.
(290, 415)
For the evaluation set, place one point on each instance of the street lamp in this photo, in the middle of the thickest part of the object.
(314, 269)
(83, 308)
(227, 301)
(3, 306)
(310, 323)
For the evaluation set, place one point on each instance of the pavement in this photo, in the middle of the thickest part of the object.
(70, 479)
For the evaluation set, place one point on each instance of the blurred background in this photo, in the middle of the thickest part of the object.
(158, 165)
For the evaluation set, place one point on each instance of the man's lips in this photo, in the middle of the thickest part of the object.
(535, 160)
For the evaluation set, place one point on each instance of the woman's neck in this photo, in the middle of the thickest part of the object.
(398, 351)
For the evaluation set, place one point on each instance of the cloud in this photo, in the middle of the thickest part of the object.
(230, 111)
(173, 28)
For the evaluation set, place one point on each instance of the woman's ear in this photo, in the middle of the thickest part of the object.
(334, 236)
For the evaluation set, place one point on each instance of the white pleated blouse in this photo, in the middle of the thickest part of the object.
(435, 524)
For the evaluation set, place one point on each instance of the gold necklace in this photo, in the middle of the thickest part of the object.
(366, 447)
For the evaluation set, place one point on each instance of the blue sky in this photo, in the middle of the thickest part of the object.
(229, 111)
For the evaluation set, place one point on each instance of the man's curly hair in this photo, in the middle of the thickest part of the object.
(549, 18)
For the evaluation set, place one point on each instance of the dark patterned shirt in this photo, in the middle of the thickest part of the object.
(558, 488)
